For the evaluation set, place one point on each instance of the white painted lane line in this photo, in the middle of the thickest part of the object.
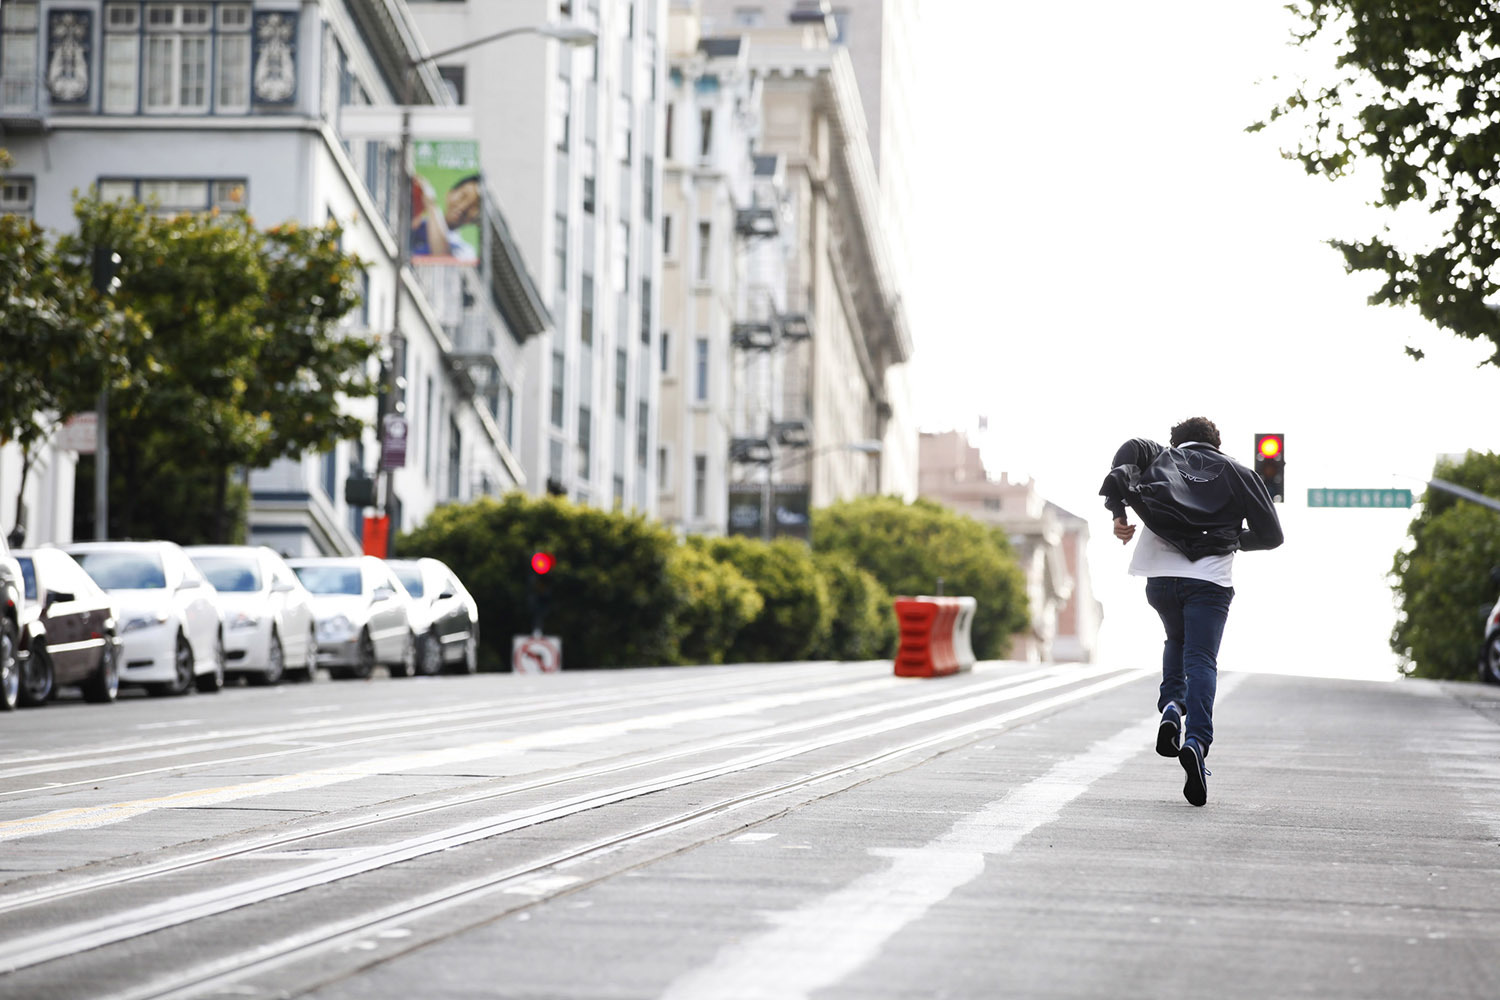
(820, 944)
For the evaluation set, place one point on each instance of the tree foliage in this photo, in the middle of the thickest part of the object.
(864, 622)
(609, 594)
(1416, 90)
(717, 602)
(796, 613)
(1442, 578)
(232, 358)
(909, 547)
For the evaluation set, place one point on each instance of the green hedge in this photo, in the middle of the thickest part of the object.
(625, 591)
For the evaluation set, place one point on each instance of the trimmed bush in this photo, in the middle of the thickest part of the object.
(796, 615)
(864, 623)
(907, 547)
(611, 598)
(716, 603)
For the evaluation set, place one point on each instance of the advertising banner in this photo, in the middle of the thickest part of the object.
(445, 202)
(745, 503)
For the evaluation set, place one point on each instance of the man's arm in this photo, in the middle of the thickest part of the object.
(1262, 526)
(1131, 457)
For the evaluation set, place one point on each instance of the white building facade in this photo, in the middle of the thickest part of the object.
(570, 140)
(236, 105)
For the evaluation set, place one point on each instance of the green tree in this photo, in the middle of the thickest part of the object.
(797, 613)
(239, 359)
(1413, 90)
(864, 621)
(56, 337)
(610, 594)
(717, 601)
(1442, 578)
(908, 547)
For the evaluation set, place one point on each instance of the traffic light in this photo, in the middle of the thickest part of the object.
(539, 589)
(1270, 463)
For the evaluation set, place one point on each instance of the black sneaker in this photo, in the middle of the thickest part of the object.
(1169, 733)
(1191, 758)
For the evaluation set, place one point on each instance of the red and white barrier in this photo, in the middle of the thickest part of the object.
(934, 635)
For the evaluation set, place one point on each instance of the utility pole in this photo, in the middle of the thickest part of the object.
(106, 265)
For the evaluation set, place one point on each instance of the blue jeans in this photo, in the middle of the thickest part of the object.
(1193, 613)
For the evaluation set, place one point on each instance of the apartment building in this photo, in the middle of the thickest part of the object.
(570, 140)
(238, 105)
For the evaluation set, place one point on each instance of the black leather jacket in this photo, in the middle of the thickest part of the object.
(1198, 499)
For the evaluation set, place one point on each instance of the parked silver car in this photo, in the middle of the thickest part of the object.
(363, 615)
(168, 620)
(445, 616)
(268, 615)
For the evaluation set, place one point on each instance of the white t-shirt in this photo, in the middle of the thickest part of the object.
(1154, 557)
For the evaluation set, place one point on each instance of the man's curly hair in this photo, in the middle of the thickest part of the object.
(1196, 429)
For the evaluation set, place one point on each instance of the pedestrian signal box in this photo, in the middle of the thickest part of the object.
(1270, 463)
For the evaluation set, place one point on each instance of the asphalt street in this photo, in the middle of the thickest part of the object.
(798, 830)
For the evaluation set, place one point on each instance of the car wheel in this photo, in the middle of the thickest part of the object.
(182, 663)
(366, 665)
(213, 680)
(471, 652)
(1489, 663)
(429, 655)
(310, 665)
(10, 670)
(104, 685)
(407, 665)
(37, 678)
(275, 664)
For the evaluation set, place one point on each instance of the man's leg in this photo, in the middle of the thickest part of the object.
(1205, 608)
(1162, 595)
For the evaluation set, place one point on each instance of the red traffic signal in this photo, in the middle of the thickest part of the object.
(541, 562)
(1270, 463)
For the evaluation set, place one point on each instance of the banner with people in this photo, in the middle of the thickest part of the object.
(446, 202)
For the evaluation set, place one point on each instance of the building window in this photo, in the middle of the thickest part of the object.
(122, 58)
(622, 128)
(648, 177)
(171, 196)
(620, 372)
(18, 55)
(586, 311)
(700, 369)
(667, 247)
(621, 257)
(705, 252)
(177, 57)
(585, 441)
(663, 468)
(560, 249)
(700, 485)
(667, 140)
(232, 84)
(642, 431)
(17, 195)
(455, 460)
(563, 112)
(706, 133)
(646, 298)
(557, 388)
(454, 78)
(588, 195)
(666, 356)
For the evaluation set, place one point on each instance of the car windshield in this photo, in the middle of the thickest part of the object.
(411, 579)
(28, 574)
(124, 570)
(235, 574)
(329, 579)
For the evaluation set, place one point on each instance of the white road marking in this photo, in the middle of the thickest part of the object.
(821, 943)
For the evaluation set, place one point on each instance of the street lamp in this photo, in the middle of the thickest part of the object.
(573, 36)
(865, 447)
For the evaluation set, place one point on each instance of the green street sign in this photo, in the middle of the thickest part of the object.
(1358, 498)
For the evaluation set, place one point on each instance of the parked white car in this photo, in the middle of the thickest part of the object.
(169, 621)
(269, 626)
(363, 615)
(445, 618)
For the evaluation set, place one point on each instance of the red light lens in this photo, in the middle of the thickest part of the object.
(541, 562)
(1270, 446)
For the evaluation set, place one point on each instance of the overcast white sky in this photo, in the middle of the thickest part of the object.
(1106, 252)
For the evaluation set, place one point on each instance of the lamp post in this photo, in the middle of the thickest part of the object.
(867, 447)
(574, 36)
